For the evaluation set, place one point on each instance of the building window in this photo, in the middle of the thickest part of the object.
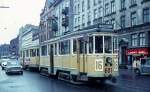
(75, 9)
(107, 22)
(122, 21)
(78, 8)
(142, 39)
(83, 19)
(89, 17)
(95, 2)
(146, 15)
(133, 18)
(75, 21)
(100, 11)
(122, 4)
(134, 39)
(112, 6)
(88, 4)
(133, 2)
(44, 50)
(83, 6)
(78, 20)
(99, 1)
(95, 13)
(106, 9)
(113, 23)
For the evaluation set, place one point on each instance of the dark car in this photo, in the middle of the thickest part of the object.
(14, 66)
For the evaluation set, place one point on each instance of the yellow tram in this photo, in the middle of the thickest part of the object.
(81, 55)
(30, 58)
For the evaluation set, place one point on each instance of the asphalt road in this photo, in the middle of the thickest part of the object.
(33, 82)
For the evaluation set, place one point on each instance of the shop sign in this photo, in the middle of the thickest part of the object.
(137, 51)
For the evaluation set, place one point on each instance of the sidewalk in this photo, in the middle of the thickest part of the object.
(3, 76)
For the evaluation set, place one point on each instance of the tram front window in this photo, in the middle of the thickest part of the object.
(98, 44)
(108, 44)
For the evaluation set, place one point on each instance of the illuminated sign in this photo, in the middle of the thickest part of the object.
(137, 51)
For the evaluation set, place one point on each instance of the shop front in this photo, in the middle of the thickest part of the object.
(137, 53)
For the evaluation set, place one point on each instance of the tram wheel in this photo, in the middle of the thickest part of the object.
(74, 78)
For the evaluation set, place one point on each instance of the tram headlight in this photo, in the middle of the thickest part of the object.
(109, 60)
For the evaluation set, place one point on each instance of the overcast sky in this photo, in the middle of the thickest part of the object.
(21, 12)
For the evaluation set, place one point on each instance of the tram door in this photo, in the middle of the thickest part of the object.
(52, 58)
(81, 55)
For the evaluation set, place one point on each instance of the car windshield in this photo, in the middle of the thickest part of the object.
(13, 63)
(143, 61)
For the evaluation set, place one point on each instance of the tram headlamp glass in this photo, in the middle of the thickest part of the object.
(109, 60)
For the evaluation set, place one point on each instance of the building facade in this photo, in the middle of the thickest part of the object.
(4, 50)
(28, 38)
(134, 30)
(130, 18)
(14, 47)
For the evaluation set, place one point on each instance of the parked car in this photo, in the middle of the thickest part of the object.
(13, 66)
(3, 59)
(144, 67)
(3, 65)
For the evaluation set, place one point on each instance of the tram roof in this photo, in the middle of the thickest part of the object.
(97, 28)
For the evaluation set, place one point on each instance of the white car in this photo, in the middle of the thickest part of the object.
(14, 67)
(3, 65)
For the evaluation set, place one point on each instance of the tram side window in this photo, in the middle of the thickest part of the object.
(64, 47)
(74, 46)
(55, 48)
(108, 44)
(44, 50)
(81, 46)
(27, 53)
(98, 44)
(33, 52)
(90, 44)
(37, 52)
